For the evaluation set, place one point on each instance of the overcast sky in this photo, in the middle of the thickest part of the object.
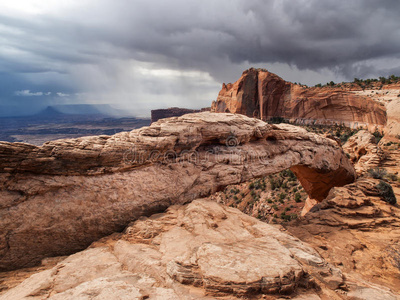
(140, 55)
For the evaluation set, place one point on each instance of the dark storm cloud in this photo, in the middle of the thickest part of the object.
(91, 45)
(307, 34)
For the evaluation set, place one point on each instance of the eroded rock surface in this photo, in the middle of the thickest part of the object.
(358, 232)
(58, 198)
(393, 112)
(364, 151)
(388, 95)
(266, 95)
(202, 250)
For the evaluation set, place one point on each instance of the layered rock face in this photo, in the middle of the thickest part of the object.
(388, 95)
(358, 232)
(202, 250)
(259, 93)
(364, 151)
(72, 192)
(393, 124)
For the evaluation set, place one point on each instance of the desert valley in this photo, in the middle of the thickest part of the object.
(276, 191)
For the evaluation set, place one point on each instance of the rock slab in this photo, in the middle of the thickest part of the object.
(202, 250)
(58, 198)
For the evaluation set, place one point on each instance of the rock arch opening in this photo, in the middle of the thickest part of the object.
(102, 190)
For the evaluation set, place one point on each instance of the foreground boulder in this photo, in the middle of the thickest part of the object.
(202, 250)
(58, 198)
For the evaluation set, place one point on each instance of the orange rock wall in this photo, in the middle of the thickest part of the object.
(259, 93)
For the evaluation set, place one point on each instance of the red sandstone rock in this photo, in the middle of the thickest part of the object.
(259, 93)
(357, 231)
(364, 151)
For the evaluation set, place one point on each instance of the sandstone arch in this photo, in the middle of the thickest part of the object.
(58, 198)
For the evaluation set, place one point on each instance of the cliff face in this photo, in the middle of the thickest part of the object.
(393, 124)
(259, 93)
(73, 192)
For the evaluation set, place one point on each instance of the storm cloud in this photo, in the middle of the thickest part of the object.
(141, 55)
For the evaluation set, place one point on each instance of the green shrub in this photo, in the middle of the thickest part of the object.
(386, 192)
(297, 197)
(273, 184)
(286, 217)
(259, 184)
(277, 120)
(378, 136)
(377, 173)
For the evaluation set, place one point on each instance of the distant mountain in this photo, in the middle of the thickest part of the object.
(69, 113)
(82, 109)
(104, 110)
(49, 112)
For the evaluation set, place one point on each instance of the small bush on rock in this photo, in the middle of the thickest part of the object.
(378, 136)
(386, 192)
(377, 173)
(297, 197)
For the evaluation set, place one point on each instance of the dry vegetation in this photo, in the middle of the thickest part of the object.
(275, 198)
